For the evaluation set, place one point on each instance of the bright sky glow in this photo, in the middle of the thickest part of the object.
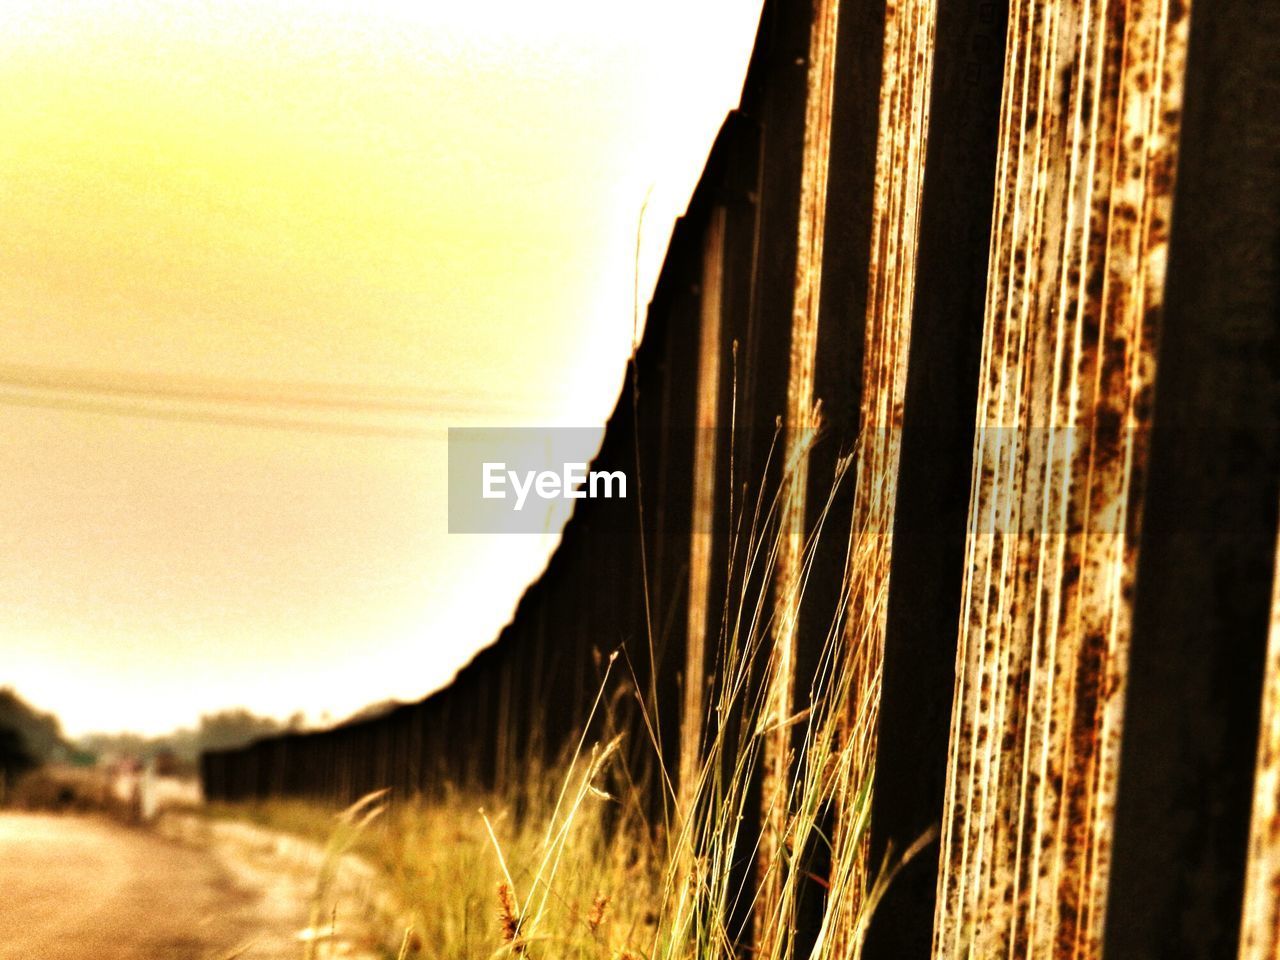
(430, 199)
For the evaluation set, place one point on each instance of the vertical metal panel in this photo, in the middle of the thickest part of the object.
(933, 468)
(901, 142)
(705, 476)
(800, 425)
(1084, 184)
(1260, 926)
(1202, 603)
(900, 149)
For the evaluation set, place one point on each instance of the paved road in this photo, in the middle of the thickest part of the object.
(73, 888)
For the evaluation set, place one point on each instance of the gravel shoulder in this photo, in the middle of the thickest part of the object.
(77, 887)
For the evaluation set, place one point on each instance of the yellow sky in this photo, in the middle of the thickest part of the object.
(432, 200)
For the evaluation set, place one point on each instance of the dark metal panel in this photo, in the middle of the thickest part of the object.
(935, 462)
(704, 479)
(901, 145)
(1203, 591)
(800, 426)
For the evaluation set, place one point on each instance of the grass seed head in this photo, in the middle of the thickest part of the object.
(599, 907)
(508, 919)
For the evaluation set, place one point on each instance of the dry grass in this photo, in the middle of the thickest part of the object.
(476, 882)
(583, 874)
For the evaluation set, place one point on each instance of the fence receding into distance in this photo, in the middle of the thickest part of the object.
(1021, 262)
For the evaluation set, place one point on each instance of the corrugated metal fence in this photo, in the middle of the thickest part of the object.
(1022, 261)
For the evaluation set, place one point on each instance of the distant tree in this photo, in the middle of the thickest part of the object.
(223, 730)
(38, 734)
(15, 758)
(227, 729)
(116, 744)
(373, 711)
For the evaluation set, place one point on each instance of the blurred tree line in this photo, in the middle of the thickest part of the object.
(30, 737)
(216, 731)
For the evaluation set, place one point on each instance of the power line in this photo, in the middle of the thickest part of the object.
(90, 392)
(109, 408)
(210, 390)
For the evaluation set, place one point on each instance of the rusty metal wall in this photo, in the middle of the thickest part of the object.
(1087, 151)
(901, 146)
(1203, 593)
(930, 516)
(900, 142)
(706, 480)
(799, 427)
(936, 237)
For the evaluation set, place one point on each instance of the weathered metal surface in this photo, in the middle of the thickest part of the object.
(902, 141)
(1260, 925)
(705, 475)
(1089, 125)
(1203, 600)
(1079, 240)
(900, 150)
(932, 479)
(800, 425)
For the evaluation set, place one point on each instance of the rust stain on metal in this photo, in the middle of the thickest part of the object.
(1088, 137)
(900, 153)
(1260, 926)
(800, 427)
(902, 141)
(704, 484)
